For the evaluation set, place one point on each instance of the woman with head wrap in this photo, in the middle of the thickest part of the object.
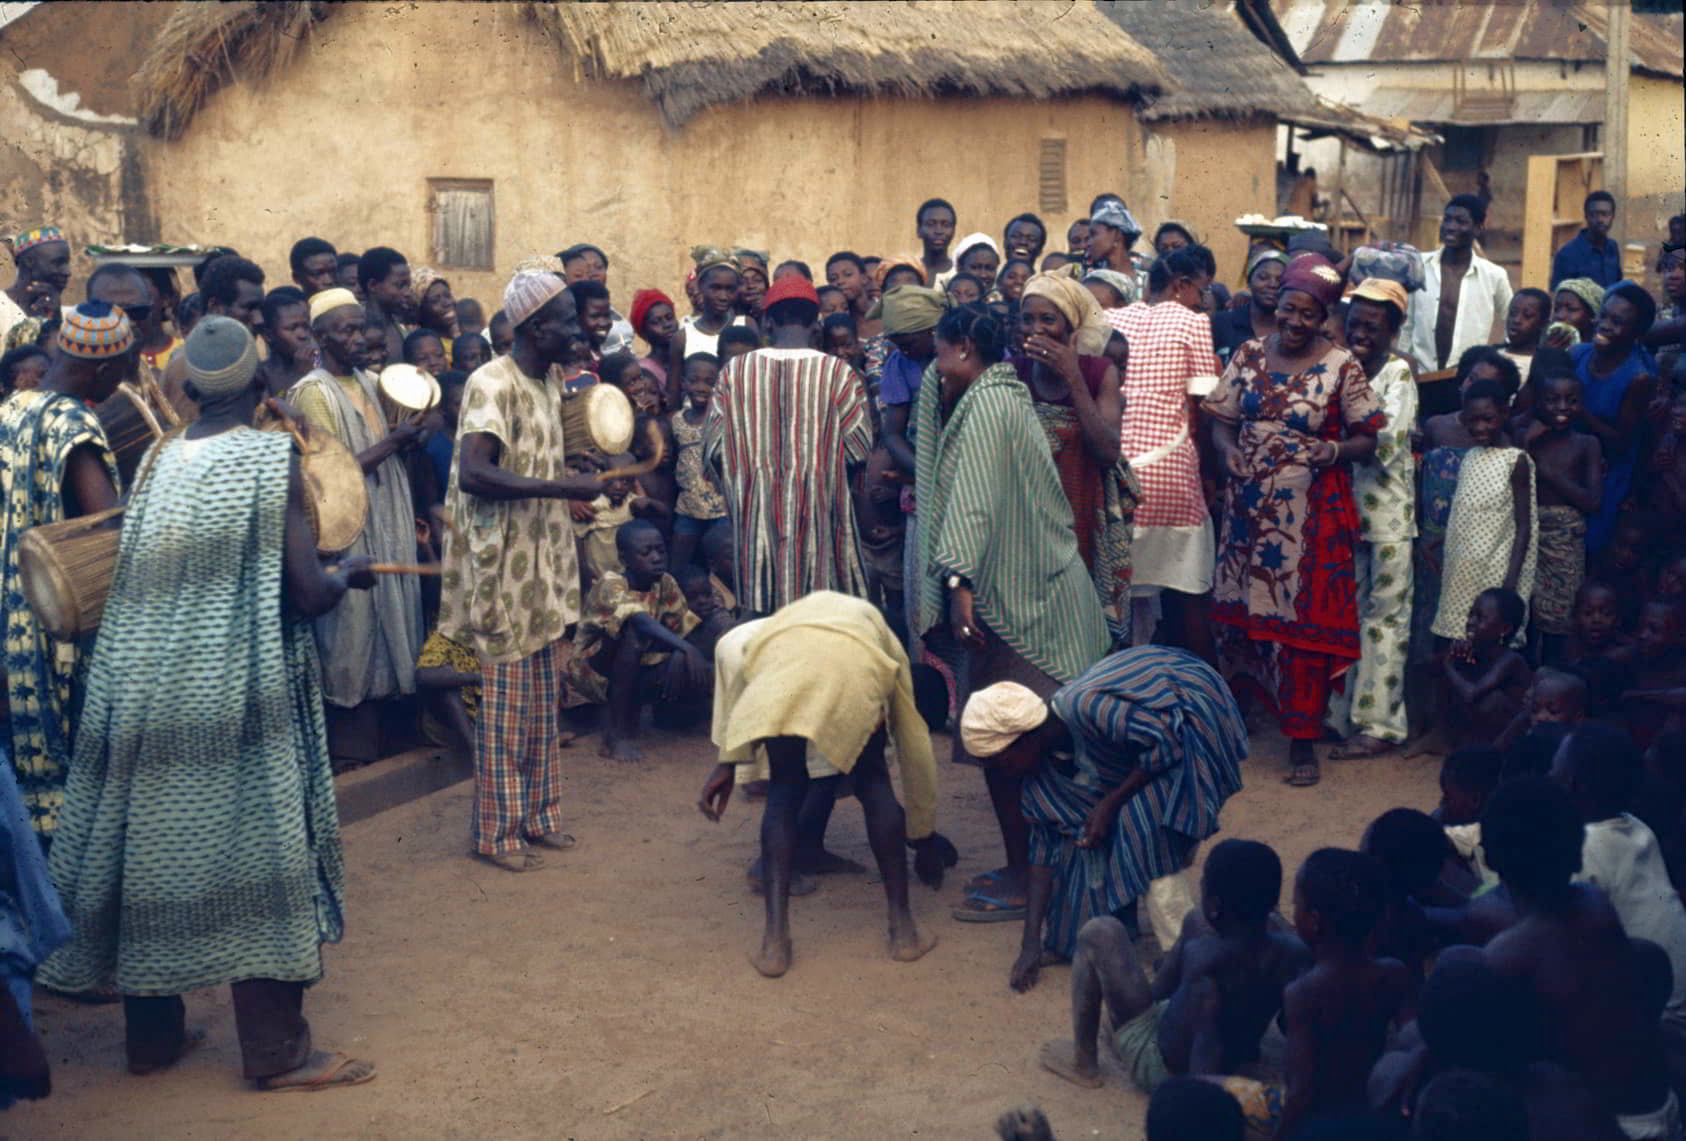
(978, 255)
(1112, 290)
(1235, 327)
(1171, 364)
(1292, 411)
(655, 319)
(1075, 391)
(1125, 770)
(889, 273)
(752, 266)
(1576, 304)
(1001, 592)
(1618, 378)
(436, 309)
(1112, 231)
(719, 277)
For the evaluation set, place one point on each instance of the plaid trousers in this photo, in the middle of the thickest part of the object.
(518, 751)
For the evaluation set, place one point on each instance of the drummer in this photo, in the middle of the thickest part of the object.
(369, 642)
(52, 430)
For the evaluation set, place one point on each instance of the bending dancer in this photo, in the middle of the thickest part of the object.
(827, 671)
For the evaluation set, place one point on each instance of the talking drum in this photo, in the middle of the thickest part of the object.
(130, 427)
(334, 492)
(406, 392)
(66, 570)
(598, 418)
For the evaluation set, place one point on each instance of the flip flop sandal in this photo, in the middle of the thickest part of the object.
(982, 908)
(1303, 776)
(345, 1072)
(981, 881)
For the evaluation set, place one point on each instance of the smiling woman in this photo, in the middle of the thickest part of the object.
(1291, 412)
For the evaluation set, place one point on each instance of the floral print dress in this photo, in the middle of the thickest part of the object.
(1285, 572)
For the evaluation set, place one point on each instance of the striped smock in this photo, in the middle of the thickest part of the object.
(1156, 708)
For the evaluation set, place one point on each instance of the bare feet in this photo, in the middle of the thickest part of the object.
(620, 749)
(773, 960)
(1060, 1057)
(323, 1070)
(908, 945)
(824, 863)
(190, 1042)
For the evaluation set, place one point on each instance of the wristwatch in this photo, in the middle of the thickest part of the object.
(955, 582)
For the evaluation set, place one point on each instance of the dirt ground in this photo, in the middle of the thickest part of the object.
(608, 995)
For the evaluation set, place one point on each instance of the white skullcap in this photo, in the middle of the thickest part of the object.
(330, 299)
(998, 715)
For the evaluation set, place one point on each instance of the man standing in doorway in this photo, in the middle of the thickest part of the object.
(1464, 296)
(1592, 253)
(511, 577)
(784, 426)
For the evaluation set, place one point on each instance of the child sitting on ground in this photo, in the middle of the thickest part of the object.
(1569, 949)
(622, 501)
(1187, 1108)
(700, 502)
(720, 556)
(1471, 1021)
(1625, 563)
(630, 649)
(1600, 768)
(1339, 1012)
(1665, 491)
(1485, 679)
(1599, 625)
(712, 618)
(1491, 537)
(1570, 468)
(1658, 696)
(1213, 997)
(1413, 851)
(1467, 778)
(1556, 697)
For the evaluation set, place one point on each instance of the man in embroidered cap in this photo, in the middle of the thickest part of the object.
(43, 260)
(369, 644)
(55, 464)
(511, 582)
(200, 840)
(785, 427)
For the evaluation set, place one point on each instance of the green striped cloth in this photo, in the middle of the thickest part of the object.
(991, 509)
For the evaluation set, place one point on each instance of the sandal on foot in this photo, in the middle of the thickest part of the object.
(1356, 750)
(512, 861)
(556, 841)
(191, 1041)
(1304, 775)
(982, 907)
(345, 1071)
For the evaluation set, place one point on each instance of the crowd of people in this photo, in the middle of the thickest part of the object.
(1084, 506)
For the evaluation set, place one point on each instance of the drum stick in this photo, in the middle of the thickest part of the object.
(644, 466)
(395, 568)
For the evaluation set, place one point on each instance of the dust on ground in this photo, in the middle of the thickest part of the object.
(609, 996)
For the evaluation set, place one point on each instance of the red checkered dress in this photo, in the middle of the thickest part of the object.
(1171, 359)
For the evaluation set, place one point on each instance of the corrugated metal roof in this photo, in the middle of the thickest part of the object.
(1422, 105)
(1360, 31)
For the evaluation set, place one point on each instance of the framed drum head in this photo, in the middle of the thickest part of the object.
(335, 492)
(609, 419)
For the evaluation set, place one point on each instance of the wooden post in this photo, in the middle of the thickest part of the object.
(1613, 137)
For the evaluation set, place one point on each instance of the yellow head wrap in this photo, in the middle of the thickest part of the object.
(1077, 305)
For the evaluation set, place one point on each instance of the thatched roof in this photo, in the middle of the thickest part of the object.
(690, 56)
(1222, 70)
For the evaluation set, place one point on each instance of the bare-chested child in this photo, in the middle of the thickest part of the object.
(1658, 699)
(1210, 1002)
(714, 619)
(1569, 949)
(1599, 626)
(630, 649)
(1486, 680)
(1569, 471)
(1338, 1013)
(1556, 697)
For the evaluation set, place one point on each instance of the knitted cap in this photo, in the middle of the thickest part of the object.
(528, 292)
(221, 356)
(39, 236)
(95, 331)
(328, 300)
